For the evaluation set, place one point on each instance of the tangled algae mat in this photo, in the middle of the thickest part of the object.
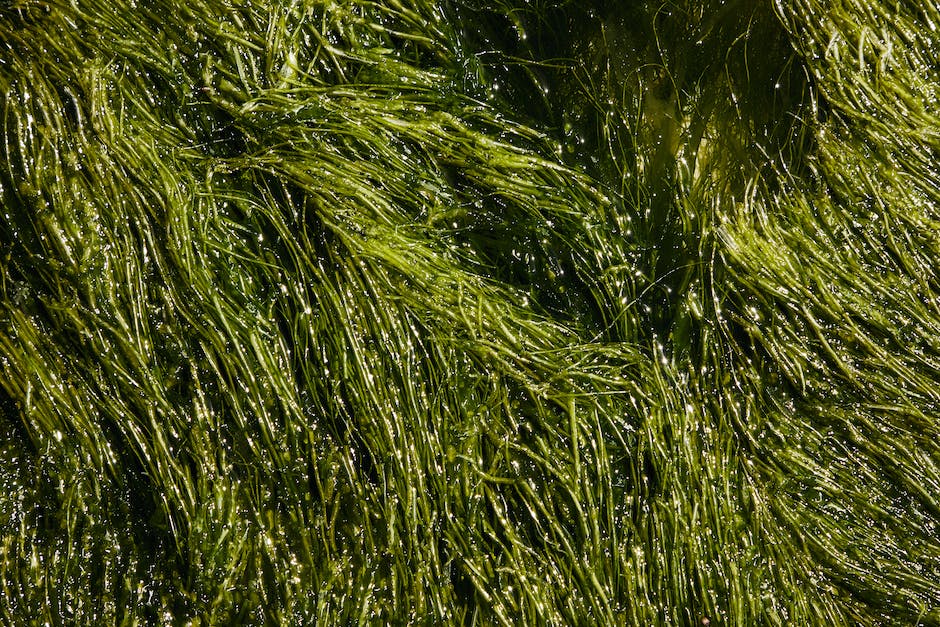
(470, 312)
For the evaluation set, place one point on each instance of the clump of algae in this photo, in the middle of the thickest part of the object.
(469, 313)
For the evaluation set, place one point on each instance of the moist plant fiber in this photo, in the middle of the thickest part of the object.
(469, 312)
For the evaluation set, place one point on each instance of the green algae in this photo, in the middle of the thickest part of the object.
(469, 313)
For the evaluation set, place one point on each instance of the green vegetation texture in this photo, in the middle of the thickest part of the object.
(469, 312)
